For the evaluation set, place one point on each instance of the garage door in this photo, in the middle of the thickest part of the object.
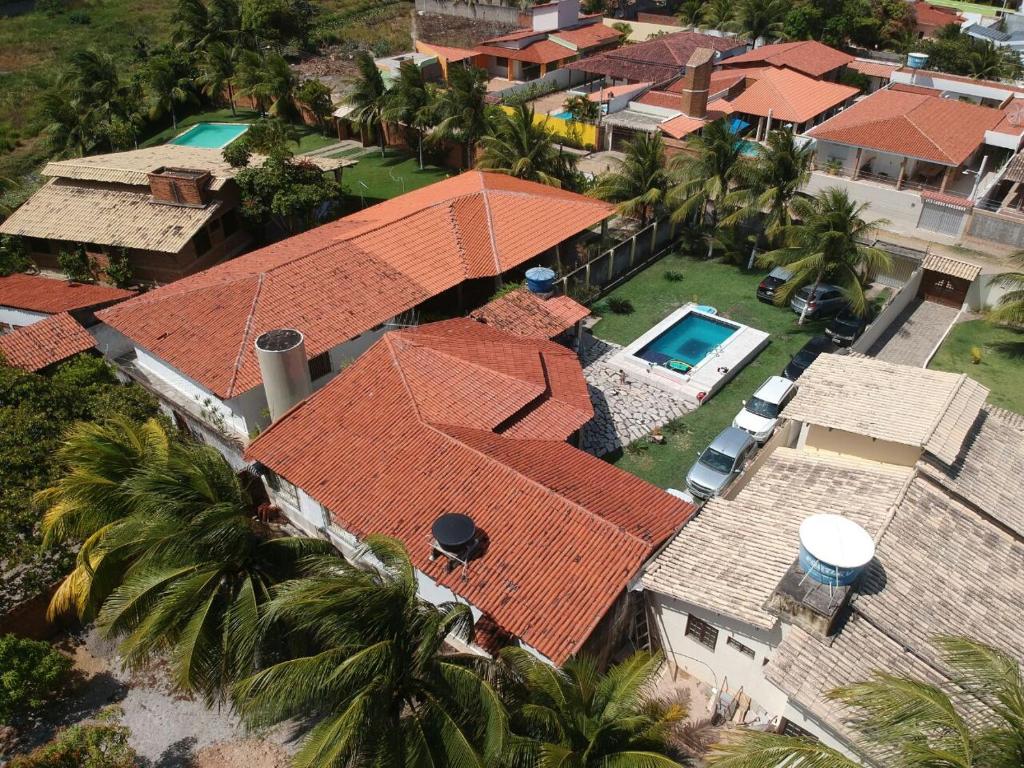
(944, 289)
(937, 217)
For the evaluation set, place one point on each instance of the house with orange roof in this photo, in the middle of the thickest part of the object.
(29, 299)
(48, 342)
(440, 249)
(929, 18)
(452, 437)
(808, 57)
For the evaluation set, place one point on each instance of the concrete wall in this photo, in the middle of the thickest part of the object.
(817, 438)
(484, 10)
(902, 209)
(16, 318)
(1007, 230)
(889, 313)
(984, 293)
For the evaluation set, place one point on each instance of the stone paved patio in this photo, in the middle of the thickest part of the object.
(625, 409)
(914, 333)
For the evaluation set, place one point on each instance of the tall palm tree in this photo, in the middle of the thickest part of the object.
(827, 245)
(760, 20)
(170, 84)
(69, 128)
(410, 103)
(191, 25)
(217, 69)
(377, 679)
(462, 110)
(977, 721)
(369, 96)
(520, 146)
(718, 14)
(640, 184)
(94, 87)
(582, 718)
(688, 12)
(771, 181)
(1009, 309)
(269, 81)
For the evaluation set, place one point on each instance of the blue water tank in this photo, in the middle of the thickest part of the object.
(917, 60)
(824, 573)
(834, 550)
(540, 279)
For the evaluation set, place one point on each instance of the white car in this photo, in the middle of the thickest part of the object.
(760, 413)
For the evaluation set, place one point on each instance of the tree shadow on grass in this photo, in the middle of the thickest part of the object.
(1011, 349)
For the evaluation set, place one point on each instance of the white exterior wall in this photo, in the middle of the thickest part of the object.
(826, 151)
(19, 317)
(901, 208)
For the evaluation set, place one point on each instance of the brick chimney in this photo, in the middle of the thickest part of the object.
(179, 186)
(697, 82)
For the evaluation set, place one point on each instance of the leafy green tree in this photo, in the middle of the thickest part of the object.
(825, 245)
(286, 194)
(315, 96)
(93, 86)
(269, 81)
(519, 146)
(13, 255)
(580, 717)
(462, 109)
(69, 129)
(32, 674)
(688, 12)
(950, 50)
(217, 70)
(760, 20)
(77, 264)
(976, 721)
(410, 102)
(101, 743)
(278, 22)
(378, 680)
(640, 185)
(1009, 309)
(170, 82)
(369, 96)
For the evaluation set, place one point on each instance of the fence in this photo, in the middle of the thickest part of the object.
(584, 134)
(899, 301)
(997, 228)
(608, 268)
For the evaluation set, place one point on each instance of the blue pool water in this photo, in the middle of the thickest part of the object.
(748, 148)
(211, 135)
(690, 340)
(561, 115)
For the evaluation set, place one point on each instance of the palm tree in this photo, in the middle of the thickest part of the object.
(69, 128)
(217, 71)
(462, 110)
(582, 718)
(760, 19)
(378, 679)
(718, 14)
(688, 12)
(771, 181)
(411, 103)
(706, 175)
(191, 25)
(269, 81)
(975, 721)
(93, 86)
(1009, 309)
(369, 96)
(522, 147)
(640, 184)
(169, 84)
(826, 244)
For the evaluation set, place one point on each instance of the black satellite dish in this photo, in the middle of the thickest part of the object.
(454, 531)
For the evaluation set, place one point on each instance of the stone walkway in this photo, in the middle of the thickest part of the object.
(914, 333)
(624, 409)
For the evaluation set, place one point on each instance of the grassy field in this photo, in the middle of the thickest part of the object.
(1002, 360)
(984, 10)
(388, 176)
(309, 138)
(730, 290)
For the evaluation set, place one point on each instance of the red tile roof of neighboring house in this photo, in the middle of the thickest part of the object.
(661, 99)
(807, 56)
(934, 16)
(446, 52)
(654, 60)
(33, 347)
(867, 68)
(606, 94)
(450, 417)
(721, 80)
(344, 278)
(682, 126)
(789, 95)
(527, 314)
(919, 125)
(588, 36)
(540, 52)
(35, 293)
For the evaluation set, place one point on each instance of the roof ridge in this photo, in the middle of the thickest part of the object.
(457, 227)
(245, 336)
(954, 391)
(490, 228)
(909, 119)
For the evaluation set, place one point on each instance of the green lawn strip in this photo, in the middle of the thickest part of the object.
(1002, 360)
(389, 176)
(984, 10)
(731, 290)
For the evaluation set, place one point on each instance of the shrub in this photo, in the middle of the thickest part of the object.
(505, 289)
(13, 255)
(77, 265)
(976, 355)
(674, 277)
(31, 673)
(51, 7)
(119, 270)
(80, 18)
(620, 306)
(101, 744)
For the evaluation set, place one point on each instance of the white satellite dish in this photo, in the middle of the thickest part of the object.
(837, 541)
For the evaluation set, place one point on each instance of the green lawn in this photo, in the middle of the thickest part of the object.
(389, 176)
(731, 290)
(984, 10)
(1002, 360)
(309, 138)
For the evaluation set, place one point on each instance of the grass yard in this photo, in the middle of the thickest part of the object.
(984, 10)
(1002, 360)
(731, 290)
(389, 176)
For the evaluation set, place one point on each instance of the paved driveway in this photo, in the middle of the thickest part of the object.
(914, 333)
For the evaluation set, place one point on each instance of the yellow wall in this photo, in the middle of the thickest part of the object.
(584, 133)
(850, 444)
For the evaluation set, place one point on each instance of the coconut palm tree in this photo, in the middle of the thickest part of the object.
(269, 81)
(462, 111)
(217, 70)
(718, 14)
(760, 20)
(170, 84)
(522, 147)
(688, 12)
(369, 96)
(69, 128)
(1009, 309)
(377, 681)
(640, 184)
(771, 181)
(975, 721)
(580, 717)
(827, 245)
(411, 103)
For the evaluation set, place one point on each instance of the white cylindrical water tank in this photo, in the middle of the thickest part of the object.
(282, 358)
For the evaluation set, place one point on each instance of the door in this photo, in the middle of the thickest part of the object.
(944, 289)
(941, 218)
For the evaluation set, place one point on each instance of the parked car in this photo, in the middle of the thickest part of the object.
(846, 327)
(767, 287)
(720, 463)
(808, 353)
(823, 301)
(760, 413)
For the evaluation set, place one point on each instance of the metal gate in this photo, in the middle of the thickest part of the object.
(939, 217)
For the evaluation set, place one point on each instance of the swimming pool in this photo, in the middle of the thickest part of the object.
(688, 341)
(563, 115)
(749, 148)
(210, 135)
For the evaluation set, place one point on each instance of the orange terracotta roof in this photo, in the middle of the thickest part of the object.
(789, 95)
(807, 56)
(587, 36)
(448, 417)
(661, 99)
(655, 60)
(928, 15)
(344, 278)
(721, 80)
(35, 293)
(919, 125)
(682, 126)
(33, 347)
(606, 94)
(539, 52)
(527, 314)
(867, 68)
(446, 52)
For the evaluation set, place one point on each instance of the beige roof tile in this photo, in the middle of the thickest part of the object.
(953, 267)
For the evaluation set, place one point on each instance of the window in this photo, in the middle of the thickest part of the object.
(38, 245)
(732, 642)
(320, 365)
(500, 61)
(201, 242)
(230, 222)
(701, 631)
(792, 729)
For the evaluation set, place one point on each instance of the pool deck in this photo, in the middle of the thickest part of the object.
(707, 376)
